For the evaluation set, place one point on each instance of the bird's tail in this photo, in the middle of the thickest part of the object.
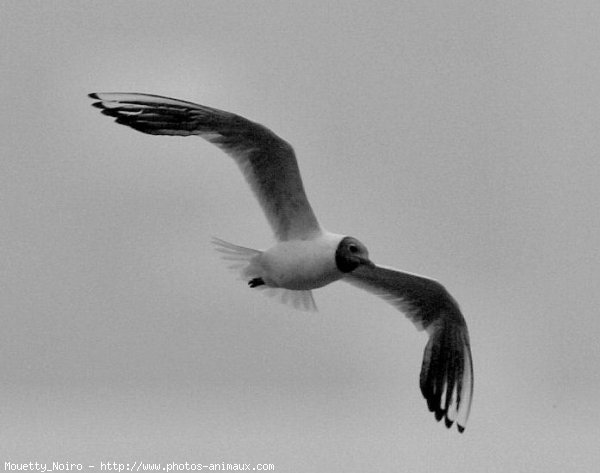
(243, 260)
(241, 257)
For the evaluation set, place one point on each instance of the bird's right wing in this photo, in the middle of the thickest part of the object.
(267, 162)
(447, 371)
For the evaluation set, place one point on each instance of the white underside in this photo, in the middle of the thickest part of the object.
(246, 262)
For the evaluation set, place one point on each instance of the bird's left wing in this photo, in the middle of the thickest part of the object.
(447, 370)
(267, 162)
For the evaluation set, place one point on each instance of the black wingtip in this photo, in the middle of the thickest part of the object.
(95, 96)
(448, 422)
(431, 404)
(460, 428)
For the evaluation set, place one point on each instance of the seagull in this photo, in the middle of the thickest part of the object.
(306, 256)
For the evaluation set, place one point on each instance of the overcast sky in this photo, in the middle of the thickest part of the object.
(459, 140)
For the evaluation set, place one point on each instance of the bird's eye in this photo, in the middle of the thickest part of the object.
(353, 248)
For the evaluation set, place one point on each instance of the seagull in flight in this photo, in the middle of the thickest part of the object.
(306, 256)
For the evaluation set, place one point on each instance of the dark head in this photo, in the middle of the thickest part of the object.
(350, 254)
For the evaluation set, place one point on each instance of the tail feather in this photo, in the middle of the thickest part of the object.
(240, 256)
(242, 259)
(301, 300)
(234, 252)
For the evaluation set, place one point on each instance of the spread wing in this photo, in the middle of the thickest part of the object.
(267, 162)
(447, 370)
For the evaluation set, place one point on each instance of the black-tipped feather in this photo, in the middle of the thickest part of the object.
(443, 371)
(267, 161)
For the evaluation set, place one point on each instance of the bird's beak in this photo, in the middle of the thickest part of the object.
(367, 262)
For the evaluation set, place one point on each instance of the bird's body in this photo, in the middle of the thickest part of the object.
(301, 264)
(306, 256)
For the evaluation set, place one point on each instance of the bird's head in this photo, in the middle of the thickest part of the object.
(350, 254)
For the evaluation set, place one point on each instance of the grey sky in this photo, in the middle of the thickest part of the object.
(458, 140)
